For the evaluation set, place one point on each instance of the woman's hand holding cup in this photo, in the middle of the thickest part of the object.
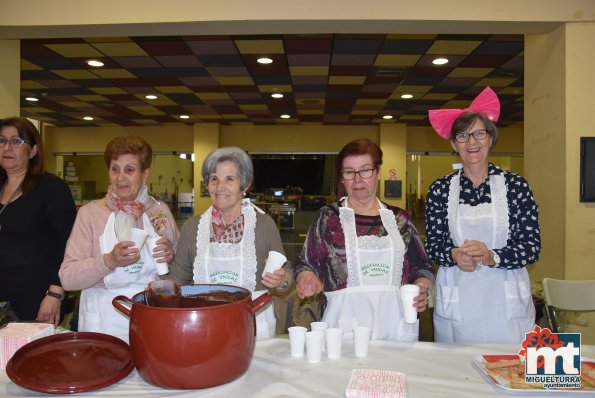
(124, 253)
(161, 249)
(275, 280)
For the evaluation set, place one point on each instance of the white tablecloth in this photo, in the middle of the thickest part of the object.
(432, 369)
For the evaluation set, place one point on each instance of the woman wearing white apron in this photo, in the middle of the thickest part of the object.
(482, 227)
(360, 251)
(100, 257)
(230, 242)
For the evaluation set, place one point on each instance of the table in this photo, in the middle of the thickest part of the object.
(432, 369)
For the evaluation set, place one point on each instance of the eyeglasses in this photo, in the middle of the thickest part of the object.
(477, 134)
(13, 141)
(363, 173)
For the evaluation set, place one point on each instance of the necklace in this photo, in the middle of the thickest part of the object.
(9, 199)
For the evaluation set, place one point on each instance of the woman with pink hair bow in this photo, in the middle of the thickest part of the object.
(482, 228)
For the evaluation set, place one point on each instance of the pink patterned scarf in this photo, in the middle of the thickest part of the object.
(226, 234)
(131, 207)
(127, 212)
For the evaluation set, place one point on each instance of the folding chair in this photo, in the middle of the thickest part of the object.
(567, 295)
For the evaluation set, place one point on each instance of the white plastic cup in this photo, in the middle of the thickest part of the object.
(319, 327)
(275, 261)
(297, 340)
(408, 292)
(138, 236)
(314, 346)
(162, 268)
(334, 341)
(361, 340)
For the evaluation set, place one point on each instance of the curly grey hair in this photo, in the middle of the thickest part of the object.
(233, 154)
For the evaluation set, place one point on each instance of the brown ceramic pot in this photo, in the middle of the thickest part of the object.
(194, 347)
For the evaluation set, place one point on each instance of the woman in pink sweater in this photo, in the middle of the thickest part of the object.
(100, 259)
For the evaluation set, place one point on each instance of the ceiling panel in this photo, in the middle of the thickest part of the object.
(326, 79)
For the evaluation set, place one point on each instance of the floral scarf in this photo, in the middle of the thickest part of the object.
(226, 234)
(126, 211)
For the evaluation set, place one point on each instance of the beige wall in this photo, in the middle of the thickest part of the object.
(206, 139)
(545, 105)
(433, 167)
(580, 86)
(393, 141)
(60, 18)
(94, 139)
(294, 138)
(396, 140)
(558, 110)
(167, 173)
(10, 78)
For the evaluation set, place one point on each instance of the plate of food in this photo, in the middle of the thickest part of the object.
(507, 372)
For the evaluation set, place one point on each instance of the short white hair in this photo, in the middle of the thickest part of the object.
(233, 154)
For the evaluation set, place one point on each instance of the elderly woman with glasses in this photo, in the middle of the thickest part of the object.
(36, 215)
(231, 241)
(103, 258)
(482, 228)
(359, 251)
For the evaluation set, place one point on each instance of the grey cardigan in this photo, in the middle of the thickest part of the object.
(267, 238)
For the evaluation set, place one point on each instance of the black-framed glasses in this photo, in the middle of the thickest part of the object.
(13, 141)
(477, 134)
(363, 173)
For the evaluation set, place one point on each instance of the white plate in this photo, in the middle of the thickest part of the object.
(504, 384)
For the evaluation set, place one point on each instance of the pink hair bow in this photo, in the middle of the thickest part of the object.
(486, 102)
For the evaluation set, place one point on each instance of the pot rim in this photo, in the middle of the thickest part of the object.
(248, 296)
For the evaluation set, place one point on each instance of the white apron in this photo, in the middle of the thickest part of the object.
(96, 313)
(233, 264)
(488, 305)
(375, 269)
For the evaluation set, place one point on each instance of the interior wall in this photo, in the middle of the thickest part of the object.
(62, 18)
(545, 145)
(436, 166)
(580, 86)
(169, 174)
(393, 142)
(94, 139)
(202, 138)
(206, 139)
(10, 78)
(294, 138)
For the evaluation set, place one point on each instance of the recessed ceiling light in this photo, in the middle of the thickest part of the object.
(32, 99)
(387, 117)
(184, 117)
(95, 63)
(151, 96)
(264, 60)
(285, 116)
(440, 61)
(88, 118)
(407, 96)
(277, 95)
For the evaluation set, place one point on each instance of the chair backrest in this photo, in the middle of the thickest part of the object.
(569, 295)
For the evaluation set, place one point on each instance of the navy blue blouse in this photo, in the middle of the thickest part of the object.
(524, 240)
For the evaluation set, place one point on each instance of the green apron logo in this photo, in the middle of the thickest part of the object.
(374, 270)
